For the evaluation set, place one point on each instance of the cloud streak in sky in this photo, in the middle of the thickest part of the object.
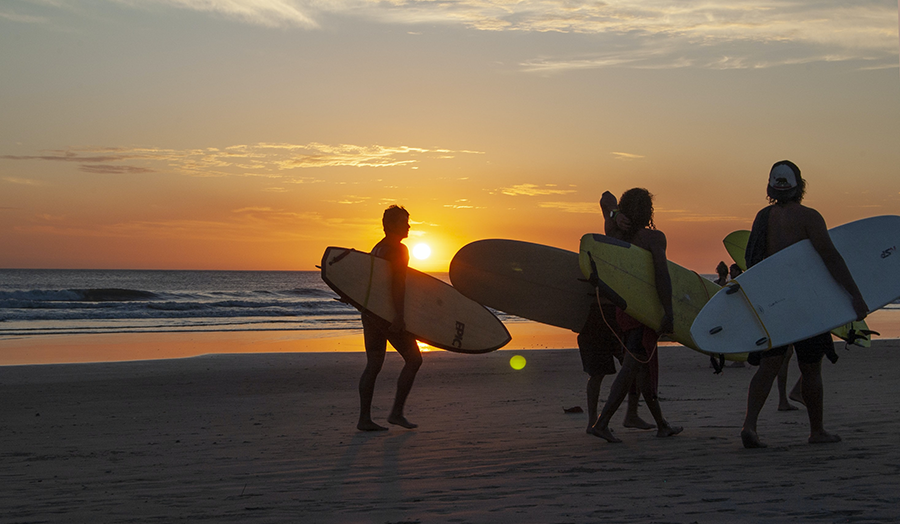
(271, 13)
(626, 156)
(573, 207)
(262, 160)
(717, 34)
(534, 190)
(832, 29)
(22, 181)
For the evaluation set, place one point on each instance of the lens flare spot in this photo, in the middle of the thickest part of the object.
(517, 362)
(421, 251)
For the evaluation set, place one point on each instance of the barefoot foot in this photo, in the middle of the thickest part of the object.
(368, 425)
(605, 434)
(823, 438)
(637, 422)
(400, 420)
(787, 406)
(751, 439)
(669, 431)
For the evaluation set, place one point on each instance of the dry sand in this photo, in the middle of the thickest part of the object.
(271, 438)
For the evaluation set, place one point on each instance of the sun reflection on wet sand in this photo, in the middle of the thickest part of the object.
(148, 346)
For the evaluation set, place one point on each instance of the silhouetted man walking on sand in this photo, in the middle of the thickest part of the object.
(781, 224)
(378, 332)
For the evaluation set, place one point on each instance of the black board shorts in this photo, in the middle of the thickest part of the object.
(376, 332)
(598, 344)
(809, 351)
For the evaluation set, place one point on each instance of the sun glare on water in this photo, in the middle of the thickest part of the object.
(421, 251)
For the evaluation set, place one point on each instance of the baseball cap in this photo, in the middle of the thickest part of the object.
(782, 177)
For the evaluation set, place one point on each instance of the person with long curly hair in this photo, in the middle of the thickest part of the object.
(631, 219)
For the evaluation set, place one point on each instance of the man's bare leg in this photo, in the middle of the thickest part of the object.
(643, 382)
(374, 362)
(593, 399)
(797, 391)
(783, 404)
(813, 397)
(757, 393)
(412, 362)
(632, 419)
(617, 393)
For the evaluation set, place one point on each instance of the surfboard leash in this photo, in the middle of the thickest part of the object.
(595, 280)
(624, 347)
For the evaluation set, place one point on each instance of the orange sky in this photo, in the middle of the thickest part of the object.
(251, 135)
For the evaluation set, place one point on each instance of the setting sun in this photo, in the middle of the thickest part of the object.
(421, 251)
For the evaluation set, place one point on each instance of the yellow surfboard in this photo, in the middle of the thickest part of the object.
(628, 271)
(856, 332)
(736, 245)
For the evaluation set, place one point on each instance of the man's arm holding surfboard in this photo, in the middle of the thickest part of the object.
(821, 241)
(656, 244)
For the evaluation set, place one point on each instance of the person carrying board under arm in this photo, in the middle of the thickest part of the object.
(378, 332)
(631, 220)
(781, 224)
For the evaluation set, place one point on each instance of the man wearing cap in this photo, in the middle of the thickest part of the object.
(783, 223)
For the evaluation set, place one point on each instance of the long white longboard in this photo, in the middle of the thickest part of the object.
(791, 295)
(435, 312)
(856, 332)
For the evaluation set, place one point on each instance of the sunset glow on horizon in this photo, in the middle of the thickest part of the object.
(252, 135)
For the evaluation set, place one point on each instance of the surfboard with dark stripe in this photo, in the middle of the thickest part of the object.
(435, 312)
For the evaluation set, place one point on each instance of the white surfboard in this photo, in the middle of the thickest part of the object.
(856, 333)
(435, 312)
(791, 295)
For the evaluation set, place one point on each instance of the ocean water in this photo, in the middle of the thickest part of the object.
(41, 302)
(46, 302)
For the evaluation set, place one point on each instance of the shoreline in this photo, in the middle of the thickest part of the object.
(47, 350)
(126, 347)
(123, 347)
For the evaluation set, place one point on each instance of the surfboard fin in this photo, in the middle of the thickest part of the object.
(862, 334)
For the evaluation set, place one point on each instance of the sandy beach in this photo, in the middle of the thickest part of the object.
(271, 437)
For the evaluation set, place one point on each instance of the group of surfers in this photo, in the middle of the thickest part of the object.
(610, 333)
